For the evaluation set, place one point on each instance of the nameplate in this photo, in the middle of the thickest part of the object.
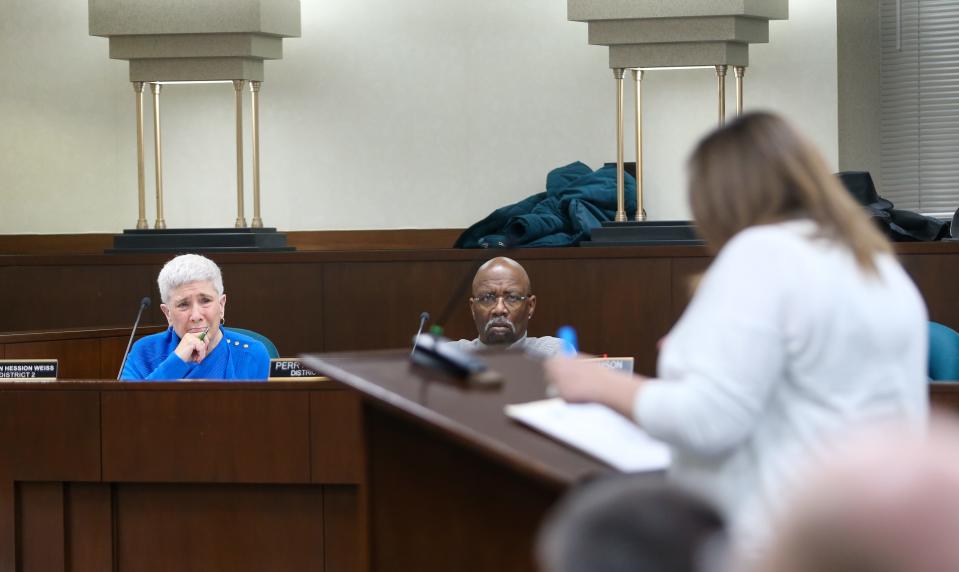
(290, 369)
(624, 364)
(29, 370)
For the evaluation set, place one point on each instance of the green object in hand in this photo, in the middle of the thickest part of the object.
(202, 335)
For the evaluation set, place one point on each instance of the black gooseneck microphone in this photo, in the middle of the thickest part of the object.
(144, 304)
(424, 316)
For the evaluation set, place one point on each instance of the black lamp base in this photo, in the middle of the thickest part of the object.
(644, 233)
(183, 240)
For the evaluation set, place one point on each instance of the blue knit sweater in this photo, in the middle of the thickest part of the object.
(235, 357)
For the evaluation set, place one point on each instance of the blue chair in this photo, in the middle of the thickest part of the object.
(270, 348)
(943, 352)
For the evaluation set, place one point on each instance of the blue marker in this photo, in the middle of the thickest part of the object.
(570, 342)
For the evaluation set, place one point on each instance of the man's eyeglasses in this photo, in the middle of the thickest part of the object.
(512, 301)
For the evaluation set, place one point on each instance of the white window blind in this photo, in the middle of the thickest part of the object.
(919, 82)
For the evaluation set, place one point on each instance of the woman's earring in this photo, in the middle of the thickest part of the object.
(222, 321)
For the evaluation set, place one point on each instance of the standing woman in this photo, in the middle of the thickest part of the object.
(804, 327)
(196, 345)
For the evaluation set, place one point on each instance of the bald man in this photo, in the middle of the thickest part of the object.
(502, 305)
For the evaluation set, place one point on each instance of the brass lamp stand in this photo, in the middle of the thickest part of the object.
(618, 74)
(241, 237)
(238, 86)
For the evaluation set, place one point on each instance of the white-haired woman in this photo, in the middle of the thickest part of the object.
(196, 345)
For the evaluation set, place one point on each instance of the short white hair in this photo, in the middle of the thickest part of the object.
(188, 268)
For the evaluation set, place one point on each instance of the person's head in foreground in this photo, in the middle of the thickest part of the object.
(620, 524)
(886, 503)
(760, 170)
(502, 302)
(191, 289)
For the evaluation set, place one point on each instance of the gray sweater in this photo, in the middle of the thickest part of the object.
(545, 346)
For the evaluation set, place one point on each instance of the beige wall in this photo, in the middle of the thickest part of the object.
(858, 65)
(415, 114)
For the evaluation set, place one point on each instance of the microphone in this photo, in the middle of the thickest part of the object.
(424, 316)
(144, 304)
(434, 352)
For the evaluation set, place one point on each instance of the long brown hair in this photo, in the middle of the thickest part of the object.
(759, 170)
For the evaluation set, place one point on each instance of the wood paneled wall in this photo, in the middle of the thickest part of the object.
(622, 300)
(393, 239)
(198, 476)
(82, 353)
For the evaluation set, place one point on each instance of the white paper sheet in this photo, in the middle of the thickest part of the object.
(596, 430)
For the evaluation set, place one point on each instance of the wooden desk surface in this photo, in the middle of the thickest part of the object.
(471, 415)
(944, 395)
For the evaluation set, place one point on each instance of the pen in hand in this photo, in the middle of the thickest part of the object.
(202, 337)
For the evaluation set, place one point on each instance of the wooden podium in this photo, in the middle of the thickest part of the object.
(452, 483)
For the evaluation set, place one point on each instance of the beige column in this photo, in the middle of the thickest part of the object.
(238, 85)
(255, 104)
(157, 155)
(721, 76)
(141, 182)
(640, 209)
(620, 180)
(740, 71)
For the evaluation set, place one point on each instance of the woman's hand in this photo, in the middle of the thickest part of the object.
(578, 381)
(192, 347)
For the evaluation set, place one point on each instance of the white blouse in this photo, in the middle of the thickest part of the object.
(786, 344)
